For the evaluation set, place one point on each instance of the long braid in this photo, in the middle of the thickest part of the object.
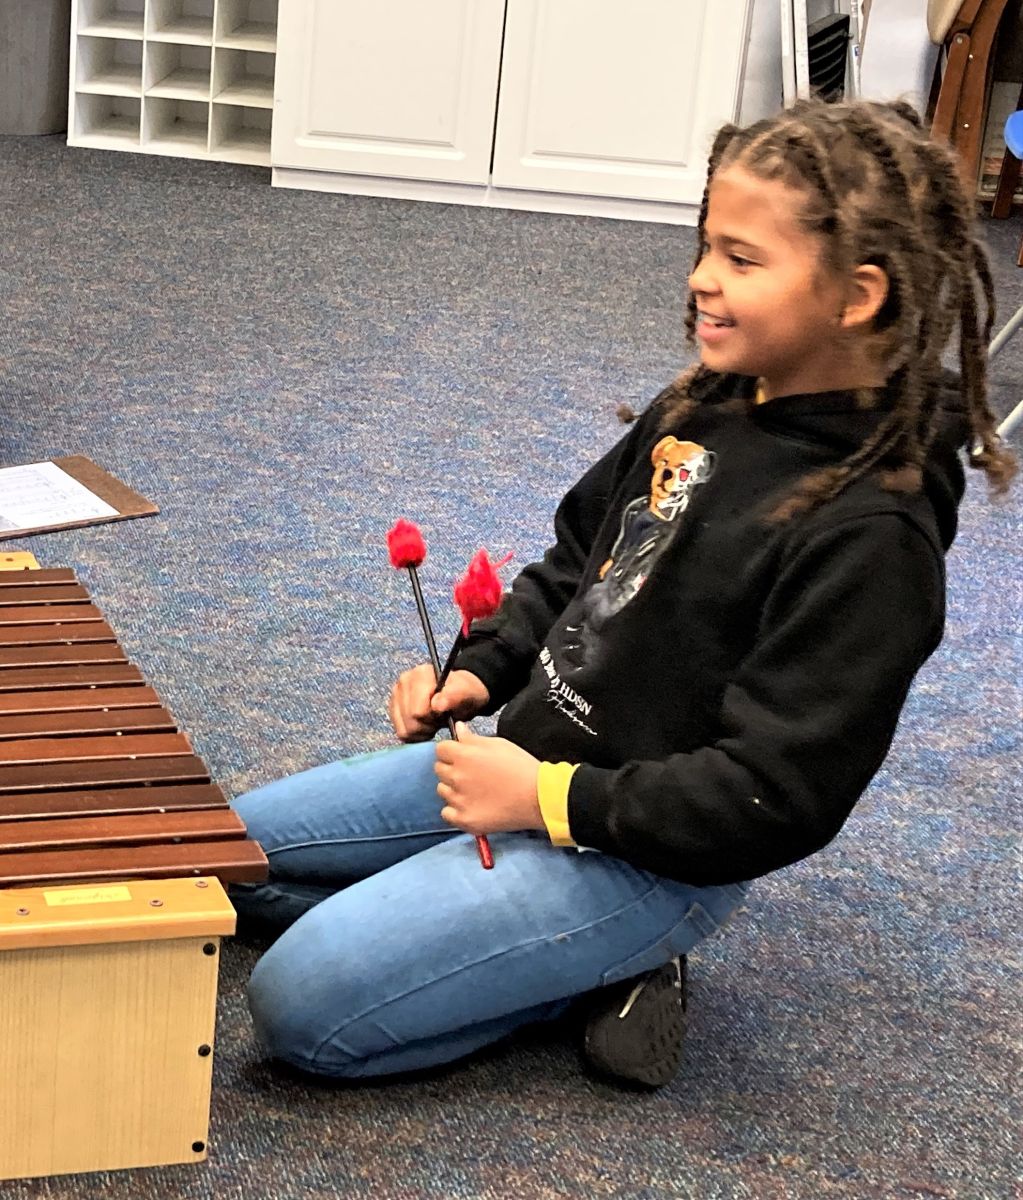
(951, 230)
(966, 258)
(986, 453)
(921, 325)
(989, 456)
(973, 365)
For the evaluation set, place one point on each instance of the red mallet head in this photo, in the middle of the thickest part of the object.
(478, 593)
(405, 545)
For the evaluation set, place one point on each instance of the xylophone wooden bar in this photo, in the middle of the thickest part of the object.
(75, 713)
(24, 634)
(79, 700)
(110, 801)
(64, 655)
(15, 678)
(19, 614)
(152, 718)
(114, 848)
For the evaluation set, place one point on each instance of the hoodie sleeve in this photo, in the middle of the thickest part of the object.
(501, 650)
(804, 724)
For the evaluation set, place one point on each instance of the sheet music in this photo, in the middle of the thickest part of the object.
(41, 494)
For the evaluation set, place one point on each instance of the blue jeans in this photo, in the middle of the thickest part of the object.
(400, 952)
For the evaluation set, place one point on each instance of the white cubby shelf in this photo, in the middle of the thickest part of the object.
(190, 78)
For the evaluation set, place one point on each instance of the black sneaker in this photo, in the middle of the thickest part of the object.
(635, 1028)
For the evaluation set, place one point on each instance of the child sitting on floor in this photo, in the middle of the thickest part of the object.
(705, 671)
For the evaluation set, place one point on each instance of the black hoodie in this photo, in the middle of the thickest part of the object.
(730, 685)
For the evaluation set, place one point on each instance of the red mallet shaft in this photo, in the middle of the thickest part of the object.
(407, 549)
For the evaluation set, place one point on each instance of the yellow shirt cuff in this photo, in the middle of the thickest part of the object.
(552, 784)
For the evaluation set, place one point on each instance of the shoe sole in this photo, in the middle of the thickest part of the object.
(650, 1061)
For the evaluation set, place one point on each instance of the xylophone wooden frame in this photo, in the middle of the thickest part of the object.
(112, 904)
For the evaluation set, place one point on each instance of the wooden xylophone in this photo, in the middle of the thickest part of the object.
(96, 780)
(114, 848)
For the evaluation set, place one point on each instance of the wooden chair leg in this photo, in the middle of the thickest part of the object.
(1008, 181)
(1008, 177)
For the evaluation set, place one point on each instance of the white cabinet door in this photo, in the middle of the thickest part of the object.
(397, 87)
(616, 99)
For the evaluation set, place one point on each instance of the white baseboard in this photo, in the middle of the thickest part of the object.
(486, 196)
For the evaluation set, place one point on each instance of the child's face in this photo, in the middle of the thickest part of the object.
(768, 305)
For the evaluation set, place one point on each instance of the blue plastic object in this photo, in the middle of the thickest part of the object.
(1014, 133)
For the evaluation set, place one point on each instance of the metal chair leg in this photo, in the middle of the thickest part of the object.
(1005, 334)
(1011, 421)
(1016, 416)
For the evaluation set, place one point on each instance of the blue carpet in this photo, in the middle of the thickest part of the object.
(285, 373)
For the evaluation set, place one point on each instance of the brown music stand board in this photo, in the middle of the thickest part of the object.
(64, 493)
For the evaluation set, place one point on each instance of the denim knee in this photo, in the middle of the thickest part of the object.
(289, 1021)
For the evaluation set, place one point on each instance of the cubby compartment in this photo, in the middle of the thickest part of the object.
(243, 77)
(201, 73)
(112, 18)
(176, 127)
(240, 134)
(247, 24)
(108, 122)
(178, 72)
(110, 66)
(188, 21)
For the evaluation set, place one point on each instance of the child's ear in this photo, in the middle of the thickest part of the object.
(867, 292)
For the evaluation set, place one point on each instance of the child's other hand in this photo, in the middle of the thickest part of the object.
(417, 710)
(488, 784)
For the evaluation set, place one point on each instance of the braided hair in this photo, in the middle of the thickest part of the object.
(879, 191)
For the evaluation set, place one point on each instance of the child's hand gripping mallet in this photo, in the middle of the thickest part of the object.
(407, 550)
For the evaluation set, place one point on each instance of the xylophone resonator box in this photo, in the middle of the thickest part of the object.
(107, 1023)
(114, 848)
